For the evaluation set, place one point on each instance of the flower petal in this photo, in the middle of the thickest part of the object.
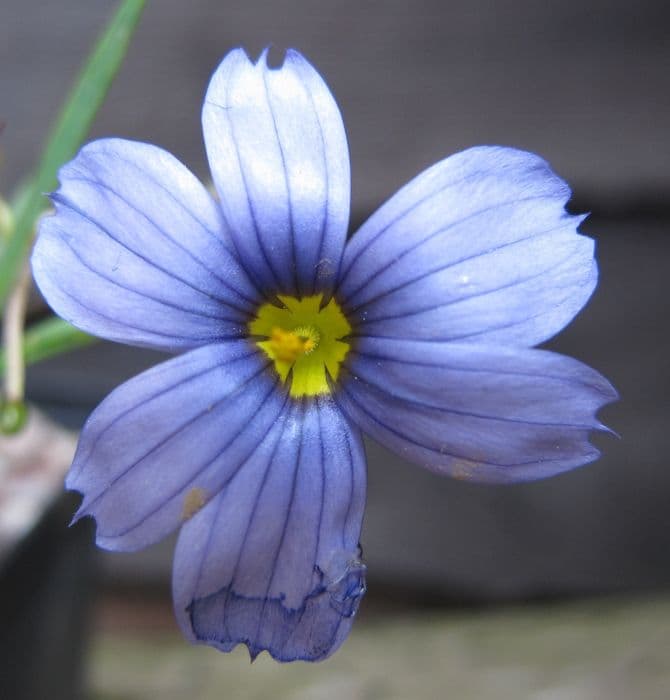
(475, 412)
(137, 251)
(278, 154)
(164, 443)
(274, 562)
(477, 248)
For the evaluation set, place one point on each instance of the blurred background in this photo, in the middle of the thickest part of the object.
(551, 590)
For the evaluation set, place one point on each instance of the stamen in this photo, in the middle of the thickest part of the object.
(288, 346)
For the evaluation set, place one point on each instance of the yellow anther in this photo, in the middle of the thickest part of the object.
(288, 346)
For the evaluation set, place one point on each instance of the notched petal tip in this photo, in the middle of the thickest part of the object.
(83, 512)
(262, 62)
(80, 513)
(284, 59)
(607, 396)
(264, 59)
(311, 632)
(602, 428)
(579, 219)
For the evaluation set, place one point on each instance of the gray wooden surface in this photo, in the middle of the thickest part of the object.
(583, 83)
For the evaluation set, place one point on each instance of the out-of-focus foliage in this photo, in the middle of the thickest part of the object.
(68, 133)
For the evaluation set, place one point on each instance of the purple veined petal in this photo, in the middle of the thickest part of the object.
(273, 562)
(478, 248)
(164, 443)
(137, 251)
(474, 412)
(279, 158)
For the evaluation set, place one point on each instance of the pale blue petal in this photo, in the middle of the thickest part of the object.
(164, 443)
(478, 248)
(274, 561)
(137, 251)
(475, 412)
(278, 154)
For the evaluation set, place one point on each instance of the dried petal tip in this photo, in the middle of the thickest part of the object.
(309, 633)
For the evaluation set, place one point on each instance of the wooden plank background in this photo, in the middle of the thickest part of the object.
(583, 83)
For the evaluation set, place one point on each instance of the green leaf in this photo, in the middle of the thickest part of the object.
(50, 337)
(67, 135)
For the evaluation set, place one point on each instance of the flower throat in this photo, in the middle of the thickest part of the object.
(304, 341)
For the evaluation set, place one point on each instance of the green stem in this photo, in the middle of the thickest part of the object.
(50, 337)
(12, 332)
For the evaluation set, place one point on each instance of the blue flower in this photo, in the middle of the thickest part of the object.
(290, 342)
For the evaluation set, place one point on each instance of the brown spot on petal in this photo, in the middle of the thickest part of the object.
(194, 500)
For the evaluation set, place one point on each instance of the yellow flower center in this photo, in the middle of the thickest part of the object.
(304, 341)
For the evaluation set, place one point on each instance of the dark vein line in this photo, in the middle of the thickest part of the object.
(218, 239)
(257, 500)
(440, 452)
(440, 188)
(252, 212)
(426, 406)
(171, 435)
(441, 231)
(323, 480)
(192, 478)
(452, 263)
(191, 377)
(97, 183)
(143, 294)
(64, 201)
(492, 329)
(324, 220)
(282, 155)
(134, 327)
(289, 509)
(476, 370)
(477, 295)
(346, 431)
